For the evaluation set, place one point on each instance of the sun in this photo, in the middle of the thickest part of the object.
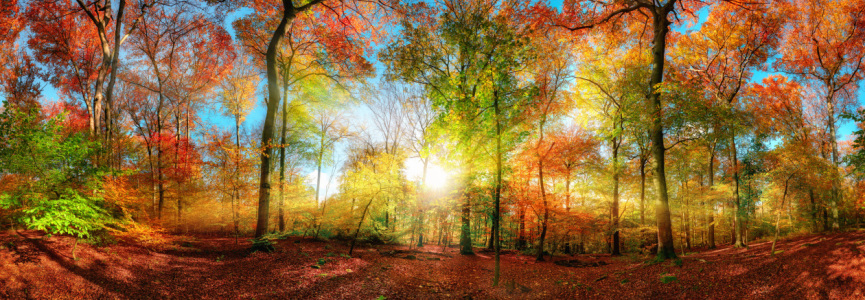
(436, 176)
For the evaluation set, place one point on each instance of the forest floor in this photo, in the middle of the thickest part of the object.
(32, 266)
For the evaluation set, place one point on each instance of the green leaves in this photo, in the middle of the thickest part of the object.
(856, 158)
(54, 166)
(70, 214)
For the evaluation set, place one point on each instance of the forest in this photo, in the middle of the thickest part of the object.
(432, 149)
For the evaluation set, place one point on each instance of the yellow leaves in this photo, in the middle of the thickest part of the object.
(238, 89)
(117, 191)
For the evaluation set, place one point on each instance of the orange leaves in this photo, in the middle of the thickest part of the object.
(732, 44)
(120, 193)
(824, 40)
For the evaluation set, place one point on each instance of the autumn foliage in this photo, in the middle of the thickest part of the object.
(485, 129)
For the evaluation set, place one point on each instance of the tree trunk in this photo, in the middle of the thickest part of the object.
(738, 228)
(465, 232)
(362, 216)
(263, 217)
(567, 209)
(614, 209)
(711, 205)
(521, 239)
(833, 143)
(176, 159)
(643, 162)
(498, 191)
(236, 195)
(422, 199)
(540, 255)
(656, 132)
(159, 167)
(778, 216)
(280, 210)
(686, 217)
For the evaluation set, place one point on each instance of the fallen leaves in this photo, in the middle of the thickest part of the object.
(215, 268)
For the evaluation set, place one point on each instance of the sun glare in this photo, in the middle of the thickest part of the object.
(436, 177)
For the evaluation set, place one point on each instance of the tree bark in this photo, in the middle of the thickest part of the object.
(263, 217)
(738, 224)
(614, 209)
(656, 131)
(540, 255)
(498, 191)
(281, 212)
(643, 162)
(778, 215)
(833, 143)
(711, 205)
(465, 232)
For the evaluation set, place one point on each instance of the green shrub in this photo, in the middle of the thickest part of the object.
(669, 278)
(262, 245)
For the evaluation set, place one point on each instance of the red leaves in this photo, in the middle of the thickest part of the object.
(66, 44)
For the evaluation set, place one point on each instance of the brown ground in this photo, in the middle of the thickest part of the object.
(814, 267)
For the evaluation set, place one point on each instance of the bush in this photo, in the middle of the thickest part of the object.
(70, 213)
(100, 238)
(263, 245)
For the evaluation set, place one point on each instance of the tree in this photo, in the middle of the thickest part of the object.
(372, 175)
(580, 15)
(11, 22)
(237, 95)
(573, 148)
(612, 92)
(341, 17)
(421, 138)
(551, 75)
(721, 56)
(476, 49)
(111, 26)
(824, 42)
(64, 43)
(55, 175)
(165, 49)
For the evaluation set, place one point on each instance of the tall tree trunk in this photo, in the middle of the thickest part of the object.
(362, 216)
(159, 166)
(236, 186)
(711, 232)
(686, 216)
(778, 215)
(656, 131)
(739, 221)
(813, 210)
(567, 208)
(422, 203)
(281, 211)
(643, 161)
(466, 231)
(176, 159)
(273, 97)
(521, 239)
(833, 143)
(614, 208)
(540, 255)
(498, 191)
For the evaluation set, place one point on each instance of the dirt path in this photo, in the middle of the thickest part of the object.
(814, 267)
